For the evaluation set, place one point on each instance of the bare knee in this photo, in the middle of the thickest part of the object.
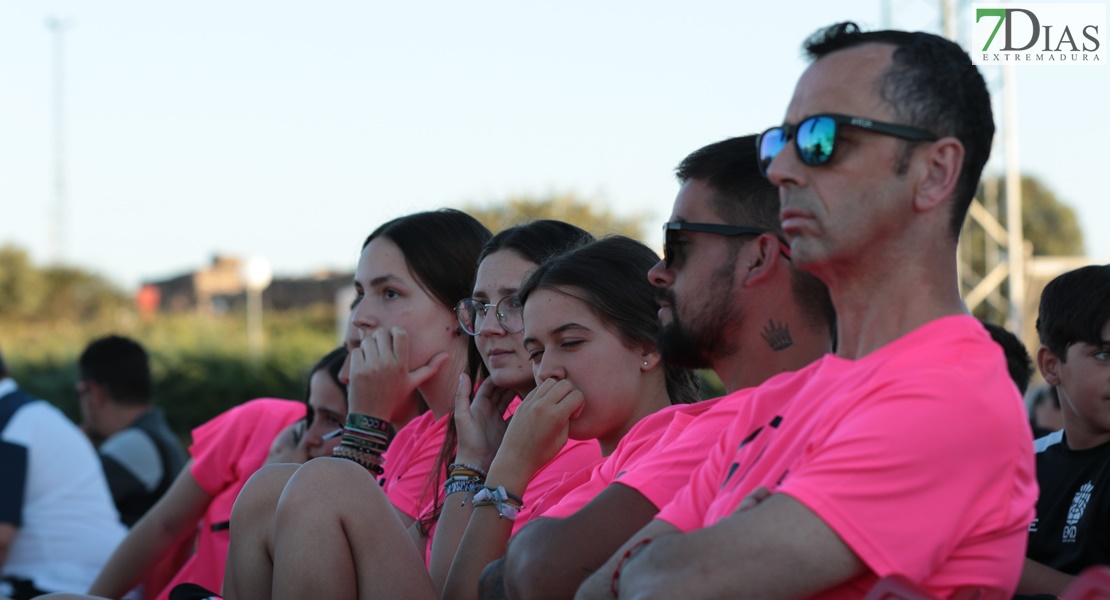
(259, 497)
(329, 486)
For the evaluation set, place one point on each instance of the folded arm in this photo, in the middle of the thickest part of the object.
(550, 558)
(777, 549)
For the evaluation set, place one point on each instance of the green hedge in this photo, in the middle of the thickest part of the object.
(200, 364)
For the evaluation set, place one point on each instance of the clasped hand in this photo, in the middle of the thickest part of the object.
(540, 427)
(381, 379)
(480, 422)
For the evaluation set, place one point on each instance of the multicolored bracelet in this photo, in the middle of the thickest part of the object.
(470, 485)
(365, 439)
(367, 423)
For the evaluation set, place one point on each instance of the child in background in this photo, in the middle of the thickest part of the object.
(1072, 527)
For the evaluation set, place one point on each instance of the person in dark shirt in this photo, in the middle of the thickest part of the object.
(140, 454)
(1071, 530)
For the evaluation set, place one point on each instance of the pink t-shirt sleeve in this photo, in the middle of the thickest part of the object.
(667, 466)
(409, 462)
(234, 444)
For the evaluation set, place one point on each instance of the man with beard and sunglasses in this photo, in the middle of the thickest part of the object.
(730, 301)
(852, 469)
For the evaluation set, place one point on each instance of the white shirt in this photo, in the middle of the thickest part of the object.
(70, 525)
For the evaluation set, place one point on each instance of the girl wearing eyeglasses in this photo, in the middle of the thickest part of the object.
(590, 318)
(493, 317)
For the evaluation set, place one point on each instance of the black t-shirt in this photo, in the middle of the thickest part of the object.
(1072, 527)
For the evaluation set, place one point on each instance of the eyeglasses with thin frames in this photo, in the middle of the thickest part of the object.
(472, 313)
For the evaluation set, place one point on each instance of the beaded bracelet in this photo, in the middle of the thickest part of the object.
(362, 455)
(615, 584)
(376, 469)
(500, 499)
(367, 455)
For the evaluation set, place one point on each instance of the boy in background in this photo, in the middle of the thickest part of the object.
(1072, 528)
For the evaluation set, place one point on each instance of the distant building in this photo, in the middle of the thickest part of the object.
(220, 287)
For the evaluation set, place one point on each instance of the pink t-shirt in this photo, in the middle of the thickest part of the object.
(226, 451)
(917, 456)
(654, 458)
(410, 459)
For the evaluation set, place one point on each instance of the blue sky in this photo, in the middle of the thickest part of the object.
(290, 130)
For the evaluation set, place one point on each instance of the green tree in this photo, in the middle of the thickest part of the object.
(589, 214)
(73, 293)
(21, 284)
(1050, 225)
(62, 293)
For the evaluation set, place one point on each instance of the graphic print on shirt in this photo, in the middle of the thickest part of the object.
(731, 482)
(1078, 506)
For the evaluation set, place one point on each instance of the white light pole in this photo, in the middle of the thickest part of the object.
(256, 275)
(57, 28)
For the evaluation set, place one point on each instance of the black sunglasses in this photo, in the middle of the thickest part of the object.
(670, 247)
(815, 137)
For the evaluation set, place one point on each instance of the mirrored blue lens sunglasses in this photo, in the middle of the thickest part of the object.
(815, 137)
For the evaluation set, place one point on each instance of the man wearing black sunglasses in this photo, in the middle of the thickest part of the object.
(853, 468)
(729, 298)
(730, 301)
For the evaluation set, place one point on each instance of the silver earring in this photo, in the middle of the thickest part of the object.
(645, 363)
(749, 264)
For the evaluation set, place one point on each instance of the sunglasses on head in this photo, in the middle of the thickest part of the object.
(670, 246)
(815, 137)
(472, 314)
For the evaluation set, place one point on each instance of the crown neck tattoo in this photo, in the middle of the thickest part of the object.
(777, 335)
